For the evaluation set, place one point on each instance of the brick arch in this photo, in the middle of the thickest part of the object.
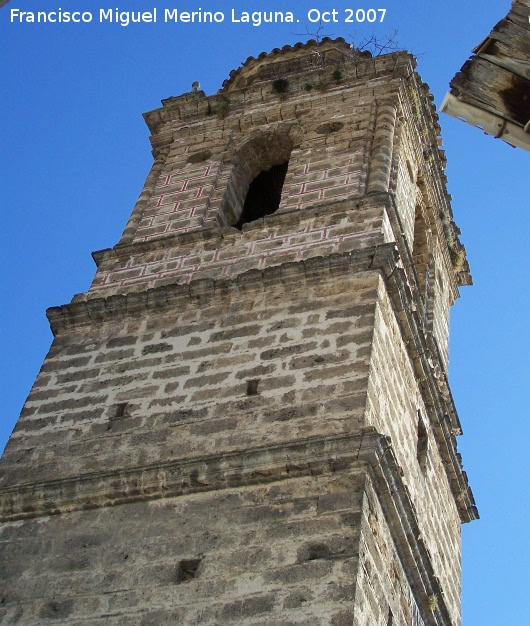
(261, 151)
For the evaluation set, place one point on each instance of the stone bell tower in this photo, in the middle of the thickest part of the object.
(246, 419)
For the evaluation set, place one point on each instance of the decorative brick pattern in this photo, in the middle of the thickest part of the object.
(255, 248)
(178, 203)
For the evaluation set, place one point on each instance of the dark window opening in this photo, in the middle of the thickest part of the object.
(252, 387)
(420, 250)
(423, 444)
(187, 569)
(429, 296)
(264, 194)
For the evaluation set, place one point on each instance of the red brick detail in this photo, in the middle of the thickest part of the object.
(225, 261)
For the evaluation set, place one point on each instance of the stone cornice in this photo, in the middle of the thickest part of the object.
(97, 310)
(434, 160)
(403, 524)
(194, 106)
(326, 45)
(174, 478)
(432, 381)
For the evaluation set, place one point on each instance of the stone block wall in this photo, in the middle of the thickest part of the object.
(395, 404)
(173, 384)
(284, 553)
(416, 190)
(383, 594)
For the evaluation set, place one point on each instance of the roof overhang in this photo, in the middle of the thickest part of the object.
(491, 124)
(492, 90)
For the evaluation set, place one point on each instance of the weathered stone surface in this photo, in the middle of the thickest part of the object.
(227, 427)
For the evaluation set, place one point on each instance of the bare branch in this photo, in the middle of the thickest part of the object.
(315, 35)
(375, 44)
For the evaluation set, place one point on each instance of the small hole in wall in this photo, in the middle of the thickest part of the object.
(410, 171)
(281, 85)
(198, 157)
(422, 444)
(313, 551)
(328, 127)
(187, 570)
(252, 387)
(318, 551)
(119, 410)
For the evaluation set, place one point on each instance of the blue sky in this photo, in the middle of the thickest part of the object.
(74, 155)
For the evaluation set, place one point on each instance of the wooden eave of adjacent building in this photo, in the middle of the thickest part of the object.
(492, 90)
